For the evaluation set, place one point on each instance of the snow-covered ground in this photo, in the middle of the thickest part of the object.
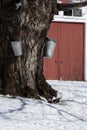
(18, 113)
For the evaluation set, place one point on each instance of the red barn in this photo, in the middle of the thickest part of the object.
(69, 61)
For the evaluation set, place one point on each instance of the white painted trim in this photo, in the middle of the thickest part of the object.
(58, 18)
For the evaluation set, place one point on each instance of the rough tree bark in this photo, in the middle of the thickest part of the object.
(30, 20)
(23, 75)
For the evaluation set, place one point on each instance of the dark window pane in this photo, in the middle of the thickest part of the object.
(68, 12)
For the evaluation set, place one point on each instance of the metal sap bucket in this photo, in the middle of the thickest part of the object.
(17, 47)
(49, 48)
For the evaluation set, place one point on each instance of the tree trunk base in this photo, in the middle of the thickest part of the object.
(42, 89)
(45, 91)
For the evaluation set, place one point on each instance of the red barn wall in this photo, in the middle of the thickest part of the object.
(65, 1)
(67, 62)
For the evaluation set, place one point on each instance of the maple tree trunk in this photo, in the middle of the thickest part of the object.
(30, 20)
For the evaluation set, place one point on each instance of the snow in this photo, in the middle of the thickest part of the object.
(18, 113)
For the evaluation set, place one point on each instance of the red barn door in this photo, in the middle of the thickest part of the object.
(67, 62)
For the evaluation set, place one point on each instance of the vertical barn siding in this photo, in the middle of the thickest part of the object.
(67, 61)
(51, 66)
(71, 51)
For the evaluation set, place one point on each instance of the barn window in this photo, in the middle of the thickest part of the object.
(68, 12)
(77, 12)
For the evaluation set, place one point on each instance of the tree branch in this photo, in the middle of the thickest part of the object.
(64, 6)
